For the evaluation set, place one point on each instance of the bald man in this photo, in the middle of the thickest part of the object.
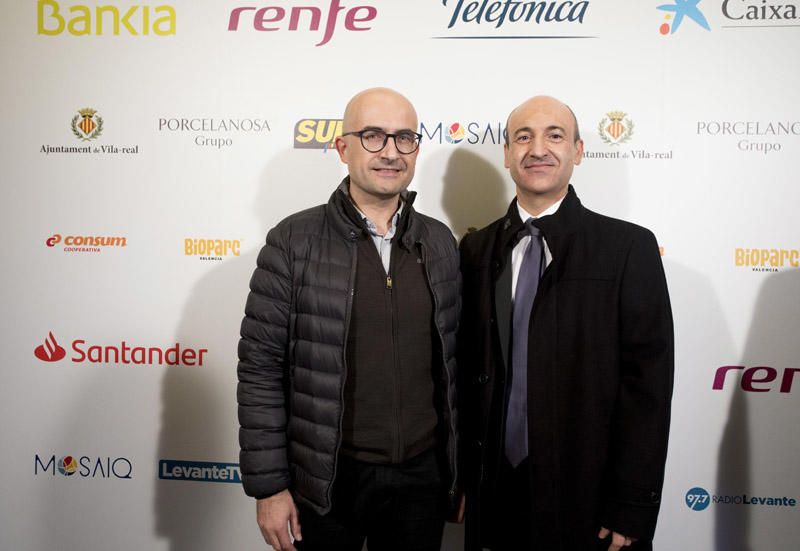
(567, 354)
(347, 357)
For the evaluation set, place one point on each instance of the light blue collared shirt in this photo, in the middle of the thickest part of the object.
(382, 242)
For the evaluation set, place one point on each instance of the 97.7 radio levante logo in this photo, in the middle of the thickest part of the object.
(697, 499)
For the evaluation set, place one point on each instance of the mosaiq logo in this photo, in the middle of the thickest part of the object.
(214, 132)
(122, 354)
(72, 466)
(86, 126)
(55, 18)
(473, 133)
(756, 379)
(198, 471)
(751, 136)
(617, 131)
(303, 18)
(698, 499)
(497, 19)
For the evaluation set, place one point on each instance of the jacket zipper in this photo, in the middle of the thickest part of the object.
(450, 440)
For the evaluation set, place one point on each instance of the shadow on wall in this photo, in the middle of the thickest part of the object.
(199, 415)
(762, 421)
(474, 192)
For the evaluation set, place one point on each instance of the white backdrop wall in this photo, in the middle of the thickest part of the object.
(706, 155)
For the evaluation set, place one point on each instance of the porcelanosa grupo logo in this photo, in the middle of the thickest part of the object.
(67, 465)
(752, 136)
(214, 132)
(274, 18)
(615, 128)
(122, 354)
(50, 351)
(677, 11)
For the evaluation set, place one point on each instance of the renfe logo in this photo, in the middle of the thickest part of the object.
(753, 376)
(269, 17)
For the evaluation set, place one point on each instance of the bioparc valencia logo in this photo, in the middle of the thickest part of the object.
(698, 499)
(86, 126)
(84, 353)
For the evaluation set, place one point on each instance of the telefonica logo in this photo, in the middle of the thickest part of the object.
(199, 471)
(122, 354)
(101, 20)
(274, 18)
(486, 19)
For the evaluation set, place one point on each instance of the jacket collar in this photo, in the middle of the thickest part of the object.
(347, 221)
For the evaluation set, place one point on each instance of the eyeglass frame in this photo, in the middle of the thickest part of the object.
(386, 136)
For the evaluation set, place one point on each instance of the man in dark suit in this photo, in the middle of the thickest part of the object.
(566, 362)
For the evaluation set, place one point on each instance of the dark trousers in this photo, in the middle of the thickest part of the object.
(392, 507)
(512, 508)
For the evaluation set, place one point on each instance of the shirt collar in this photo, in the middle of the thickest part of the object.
(552, 209)
(373, 229)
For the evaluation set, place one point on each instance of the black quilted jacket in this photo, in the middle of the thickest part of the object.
(291, 354)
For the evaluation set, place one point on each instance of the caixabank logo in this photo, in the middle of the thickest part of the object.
(751, 137)
(84, 466)
(87, 126)
(698, 499)
(617, 130)
(85, 353)
(731, 15)
(85, 243)
(678, 11)
(211, 249)
(198, 471)
(323, 20)
(515, 20)
(766, 260)
(757, 379)
(215, 132)
(57, 18)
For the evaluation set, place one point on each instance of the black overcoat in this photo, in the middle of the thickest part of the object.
(600, 372)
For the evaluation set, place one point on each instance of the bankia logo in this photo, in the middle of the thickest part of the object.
(510, 19)
(215, 132)
(273, 18)
(85, 466)
(698, 499)
(472, 133)
(108, 19)
(757, 378)
(122, 354)
(615, 129)
(317, 133)
(50, 351)
(198, 471)
(87, 125)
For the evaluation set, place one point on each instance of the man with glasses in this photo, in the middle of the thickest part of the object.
(346, 362)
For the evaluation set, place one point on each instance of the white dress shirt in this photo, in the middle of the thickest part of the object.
(519, 249)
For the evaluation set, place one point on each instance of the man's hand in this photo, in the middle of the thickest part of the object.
(618, 541)
(458, 517)
(275, 514)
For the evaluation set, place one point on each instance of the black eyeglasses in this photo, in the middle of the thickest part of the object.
(374, 140)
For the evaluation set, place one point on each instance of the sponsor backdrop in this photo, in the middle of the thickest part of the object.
(148, 146)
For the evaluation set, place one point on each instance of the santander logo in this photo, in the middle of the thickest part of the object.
(50, 351)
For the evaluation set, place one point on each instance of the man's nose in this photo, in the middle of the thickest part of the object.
(538, 148)
(390, 149)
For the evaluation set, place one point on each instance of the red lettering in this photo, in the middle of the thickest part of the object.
(719, 377)
(233, 24)
(260, 18)
(788, 375)
(333, 13)
(316, 16)
(749, 378)
(81, 355)
(351, 18)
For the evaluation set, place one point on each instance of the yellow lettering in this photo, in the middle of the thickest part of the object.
(126, 20)
(740, 257)
(85, 18)
(169, 19)
(775, 258)
(306, 129)
(55, 15)
(114, 12)
(187, 247)
(794, 258)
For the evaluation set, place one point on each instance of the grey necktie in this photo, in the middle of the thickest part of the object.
(516, 446)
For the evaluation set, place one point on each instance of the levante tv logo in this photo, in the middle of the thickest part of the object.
(199, 471)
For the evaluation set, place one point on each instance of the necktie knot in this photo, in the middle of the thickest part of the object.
(532, 230)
